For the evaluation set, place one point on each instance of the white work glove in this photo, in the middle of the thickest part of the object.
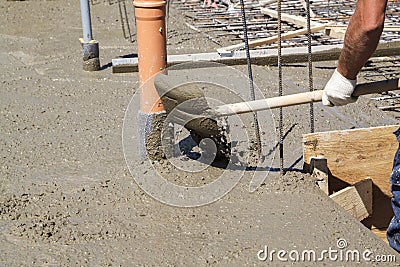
(338, 90)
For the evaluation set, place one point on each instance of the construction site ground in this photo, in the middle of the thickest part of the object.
(67, 197)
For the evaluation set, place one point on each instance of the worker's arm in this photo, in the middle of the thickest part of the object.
(361, 39)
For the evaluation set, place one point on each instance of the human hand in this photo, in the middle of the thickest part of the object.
(338, 90)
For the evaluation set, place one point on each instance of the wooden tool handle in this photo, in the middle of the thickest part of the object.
(376, 87)
(302, 98)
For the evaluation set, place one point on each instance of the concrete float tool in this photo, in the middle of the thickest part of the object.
(202, 121)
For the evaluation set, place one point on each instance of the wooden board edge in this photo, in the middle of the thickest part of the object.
(356, 199)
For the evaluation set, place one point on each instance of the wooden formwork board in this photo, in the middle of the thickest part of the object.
(356, 199)
(355, 154)
(302, 21)
(258, 57)
(272, 39)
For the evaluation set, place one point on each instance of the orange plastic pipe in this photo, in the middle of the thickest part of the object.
(152, 50)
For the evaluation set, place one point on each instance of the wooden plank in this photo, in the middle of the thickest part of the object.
(293, 19)
(302, 22)
(335, 33)
(356, 199)
(339, 32)
(355, 153)
(272, 39)
(381, 233)
(266, 2)
(258, 57)
(387, 28)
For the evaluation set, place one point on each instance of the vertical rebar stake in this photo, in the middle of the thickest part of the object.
(310, 71)
(280, 87)
(250, 72)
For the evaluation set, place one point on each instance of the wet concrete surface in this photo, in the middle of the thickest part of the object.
(67, 197)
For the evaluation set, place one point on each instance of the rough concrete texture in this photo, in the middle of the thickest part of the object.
(67, 198)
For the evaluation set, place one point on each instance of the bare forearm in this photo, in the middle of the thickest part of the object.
(362, 36)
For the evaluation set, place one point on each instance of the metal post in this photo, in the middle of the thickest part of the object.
(86, 21)
(90, 47)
